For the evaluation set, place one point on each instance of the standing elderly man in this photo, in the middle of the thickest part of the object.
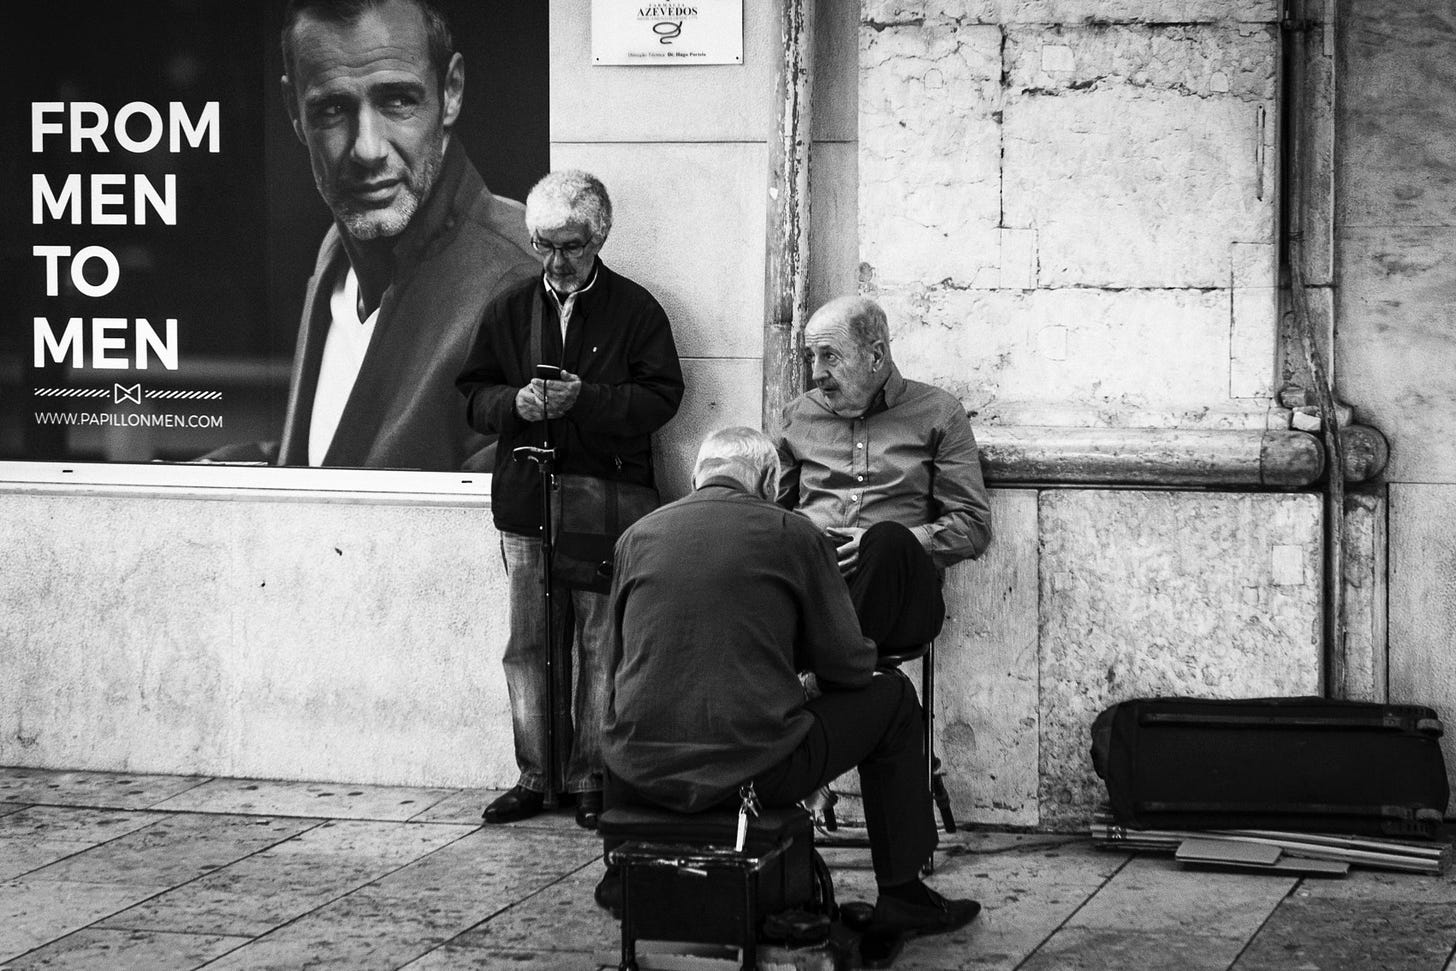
(887, 468)
(719, 600)
(418, 246)
(620, 381)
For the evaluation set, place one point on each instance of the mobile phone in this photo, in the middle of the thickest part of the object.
(548, 372)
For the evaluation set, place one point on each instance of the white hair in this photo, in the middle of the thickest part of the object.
(743, 454)
(569, 196)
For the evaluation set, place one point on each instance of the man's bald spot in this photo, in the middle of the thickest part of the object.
(861, 317)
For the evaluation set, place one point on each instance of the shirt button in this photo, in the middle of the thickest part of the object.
(860, 478)
(854, 498)
(859, 444)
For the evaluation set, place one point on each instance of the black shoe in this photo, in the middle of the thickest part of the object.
(588, 808)
(938, 915)
(516, 804)
(608, 894)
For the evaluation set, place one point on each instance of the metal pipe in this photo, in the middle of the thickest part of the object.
(1296, 176)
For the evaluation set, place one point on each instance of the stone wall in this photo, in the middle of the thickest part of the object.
(345, 641)
(1395, 313)
(1069, 209)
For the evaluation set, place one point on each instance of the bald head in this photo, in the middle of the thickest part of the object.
(847, 342)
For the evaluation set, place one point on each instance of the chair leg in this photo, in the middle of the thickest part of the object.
(629, 936)
(932, 764)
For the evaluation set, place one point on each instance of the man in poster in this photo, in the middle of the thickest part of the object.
(418, 246)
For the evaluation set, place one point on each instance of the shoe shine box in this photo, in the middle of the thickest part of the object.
(684, 882)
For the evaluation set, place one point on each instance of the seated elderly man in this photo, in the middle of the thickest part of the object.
(887, 468)
(719, 599)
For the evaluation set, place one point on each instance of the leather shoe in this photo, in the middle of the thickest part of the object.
(938, 915)
(515, 804)
(588, 808)
(608, 894)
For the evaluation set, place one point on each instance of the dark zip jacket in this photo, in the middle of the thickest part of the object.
(619, 342)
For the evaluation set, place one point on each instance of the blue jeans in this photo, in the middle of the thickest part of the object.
(579, 618)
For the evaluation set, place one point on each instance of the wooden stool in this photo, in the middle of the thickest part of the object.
(682, 880)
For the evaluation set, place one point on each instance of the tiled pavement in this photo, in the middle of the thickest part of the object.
(106, 871)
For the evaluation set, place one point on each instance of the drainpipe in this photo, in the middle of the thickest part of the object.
(1296, 175)
(786, 277)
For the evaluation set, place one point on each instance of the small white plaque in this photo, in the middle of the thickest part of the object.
(663, 34)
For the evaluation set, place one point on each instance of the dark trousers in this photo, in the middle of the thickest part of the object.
(896, 589)
(878, 728)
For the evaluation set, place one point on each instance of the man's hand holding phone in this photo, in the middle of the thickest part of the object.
(550, 394)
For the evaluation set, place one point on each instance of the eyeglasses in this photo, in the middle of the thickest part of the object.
(569, 250)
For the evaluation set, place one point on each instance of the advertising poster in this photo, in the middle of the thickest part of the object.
(162, 223)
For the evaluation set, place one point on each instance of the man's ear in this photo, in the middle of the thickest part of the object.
(767, 487)
(290, 102)
(879, 353)
(453, 95)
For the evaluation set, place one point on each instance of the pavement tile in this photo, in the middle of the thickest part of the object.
(173, 850)
(563, 917)
(342, 801)
(1027, 887)
(19, 857)
(36, 912)
(460, 806)
(466, 805)
(1384, 885)
(6, 808)
(1155, 893)
(263, 891)
(1154, 914)
(414, 910)
(449, 957)
(36, 836)
(91, 826)
(1111, 949)
(105, 789)
(1309, 934)
(91, 949)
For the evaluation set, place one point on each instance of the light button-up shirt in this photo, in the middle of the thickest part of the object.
(911, 458)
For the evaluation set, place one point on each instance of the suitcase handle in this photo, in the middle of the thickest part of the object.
(1388, 722)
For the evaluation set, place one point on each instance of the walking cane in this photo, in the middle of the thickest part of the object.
(545, 456)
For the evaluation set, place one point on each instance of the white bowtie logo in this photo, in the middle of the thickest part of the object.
(120, 394)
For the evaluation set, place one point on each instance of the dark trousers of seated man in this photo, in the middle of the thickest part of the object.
(896, 589)
(877, 728)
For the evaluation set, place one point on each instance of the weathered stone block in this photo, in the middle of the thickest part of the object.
(1366, 592)
(929, 165)
(1139, 155)
(986, 672)
(290, 640)
(1167, 593)
(833, 222)
(1073, 356)
(1423, 602)
(1395, 137)
(1254, 328)
(1395, 344)
(1196, 61)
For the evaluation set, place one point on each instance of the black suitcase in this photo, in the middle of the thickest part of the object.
(1303, 764)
